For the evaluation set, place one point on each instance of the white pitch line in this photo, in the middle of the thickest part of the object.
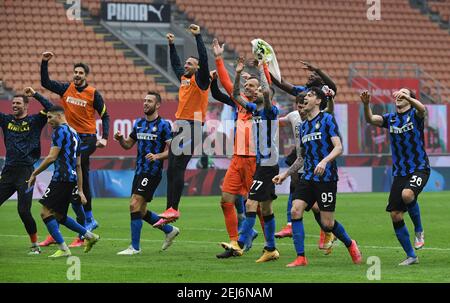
(278, 243)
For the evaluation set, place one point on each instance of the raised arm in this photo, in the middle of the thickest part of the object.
(265, 86)
(286, 86)
(217, 93)
(420, 108)
(224, 78)
(376, 120)
(53, 86)
(236, 87)
(100, 107)
(30, 92)
(325, 78)
(203, 70)
(174, 58)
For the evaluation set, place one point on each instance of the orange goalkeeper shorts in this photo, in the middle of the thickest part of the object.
(239, 176)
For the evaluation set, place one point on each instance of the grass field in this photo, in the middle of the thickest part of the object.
(192, 256)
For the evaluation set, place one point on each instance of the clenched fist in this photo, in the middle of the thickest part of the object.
(47, 56)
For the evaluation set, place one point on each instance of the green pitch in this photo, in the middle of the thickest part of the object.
(192, 256)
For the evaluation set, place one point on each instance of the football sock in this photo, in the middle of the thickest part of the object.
(79, 211)
(414, 213)
(289, 207)
(151, 218)
(89, 216)
(247, 228)
(341, 234)
(136, 227)
(401, 231)
(240, 205)
(53, 229)
(73, 225)
(269, 231)
(33, 238)
(298, 233)
(231, 220)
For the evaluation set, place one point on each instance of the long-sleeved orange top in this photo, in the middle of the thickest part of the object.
(243, 139)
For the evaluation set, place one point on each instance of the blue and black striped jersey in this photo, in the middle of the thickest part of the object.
(315, 138)
(407, 142)
(151, 137)
(22, 138)
(67, 139)
(265, 134)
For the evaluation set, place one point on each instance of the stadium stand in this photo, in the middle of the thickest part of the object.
(442, 7)
(28, 28)
(331, 34)
(94, 6)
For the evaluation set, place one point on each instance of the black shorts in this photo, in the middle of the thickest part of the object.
(324, 193)
(145, 185)
(14, 179)
(295, 179)
(58, 196)
(263, 189)
(415, 182)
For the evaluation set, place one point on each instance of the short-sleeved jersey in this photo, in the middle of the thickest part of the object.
(151, 137)
(407, 142)
(315, 136)
(67, 139)
(265, 134)
(22, 138)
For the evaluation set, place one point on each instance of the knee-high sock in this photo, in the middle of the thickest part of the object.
(79, 211)
(74, 226)
(401, 231)
(289, 207)
(414, 213)
(247, 228)
(231, 221)
(298, 234)
(151, 218)
(269, 231)
(53, 229)
(136, 227)
(341, 234)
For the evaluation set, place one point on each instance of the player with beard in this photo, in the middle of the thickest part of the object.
(80, 102)
(152, 135)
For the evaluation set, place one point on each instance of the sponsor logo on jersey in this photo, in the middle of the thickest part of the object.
(24, 127)
(145, 136)
(76, 101)
(312, 137)
(400, 130)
